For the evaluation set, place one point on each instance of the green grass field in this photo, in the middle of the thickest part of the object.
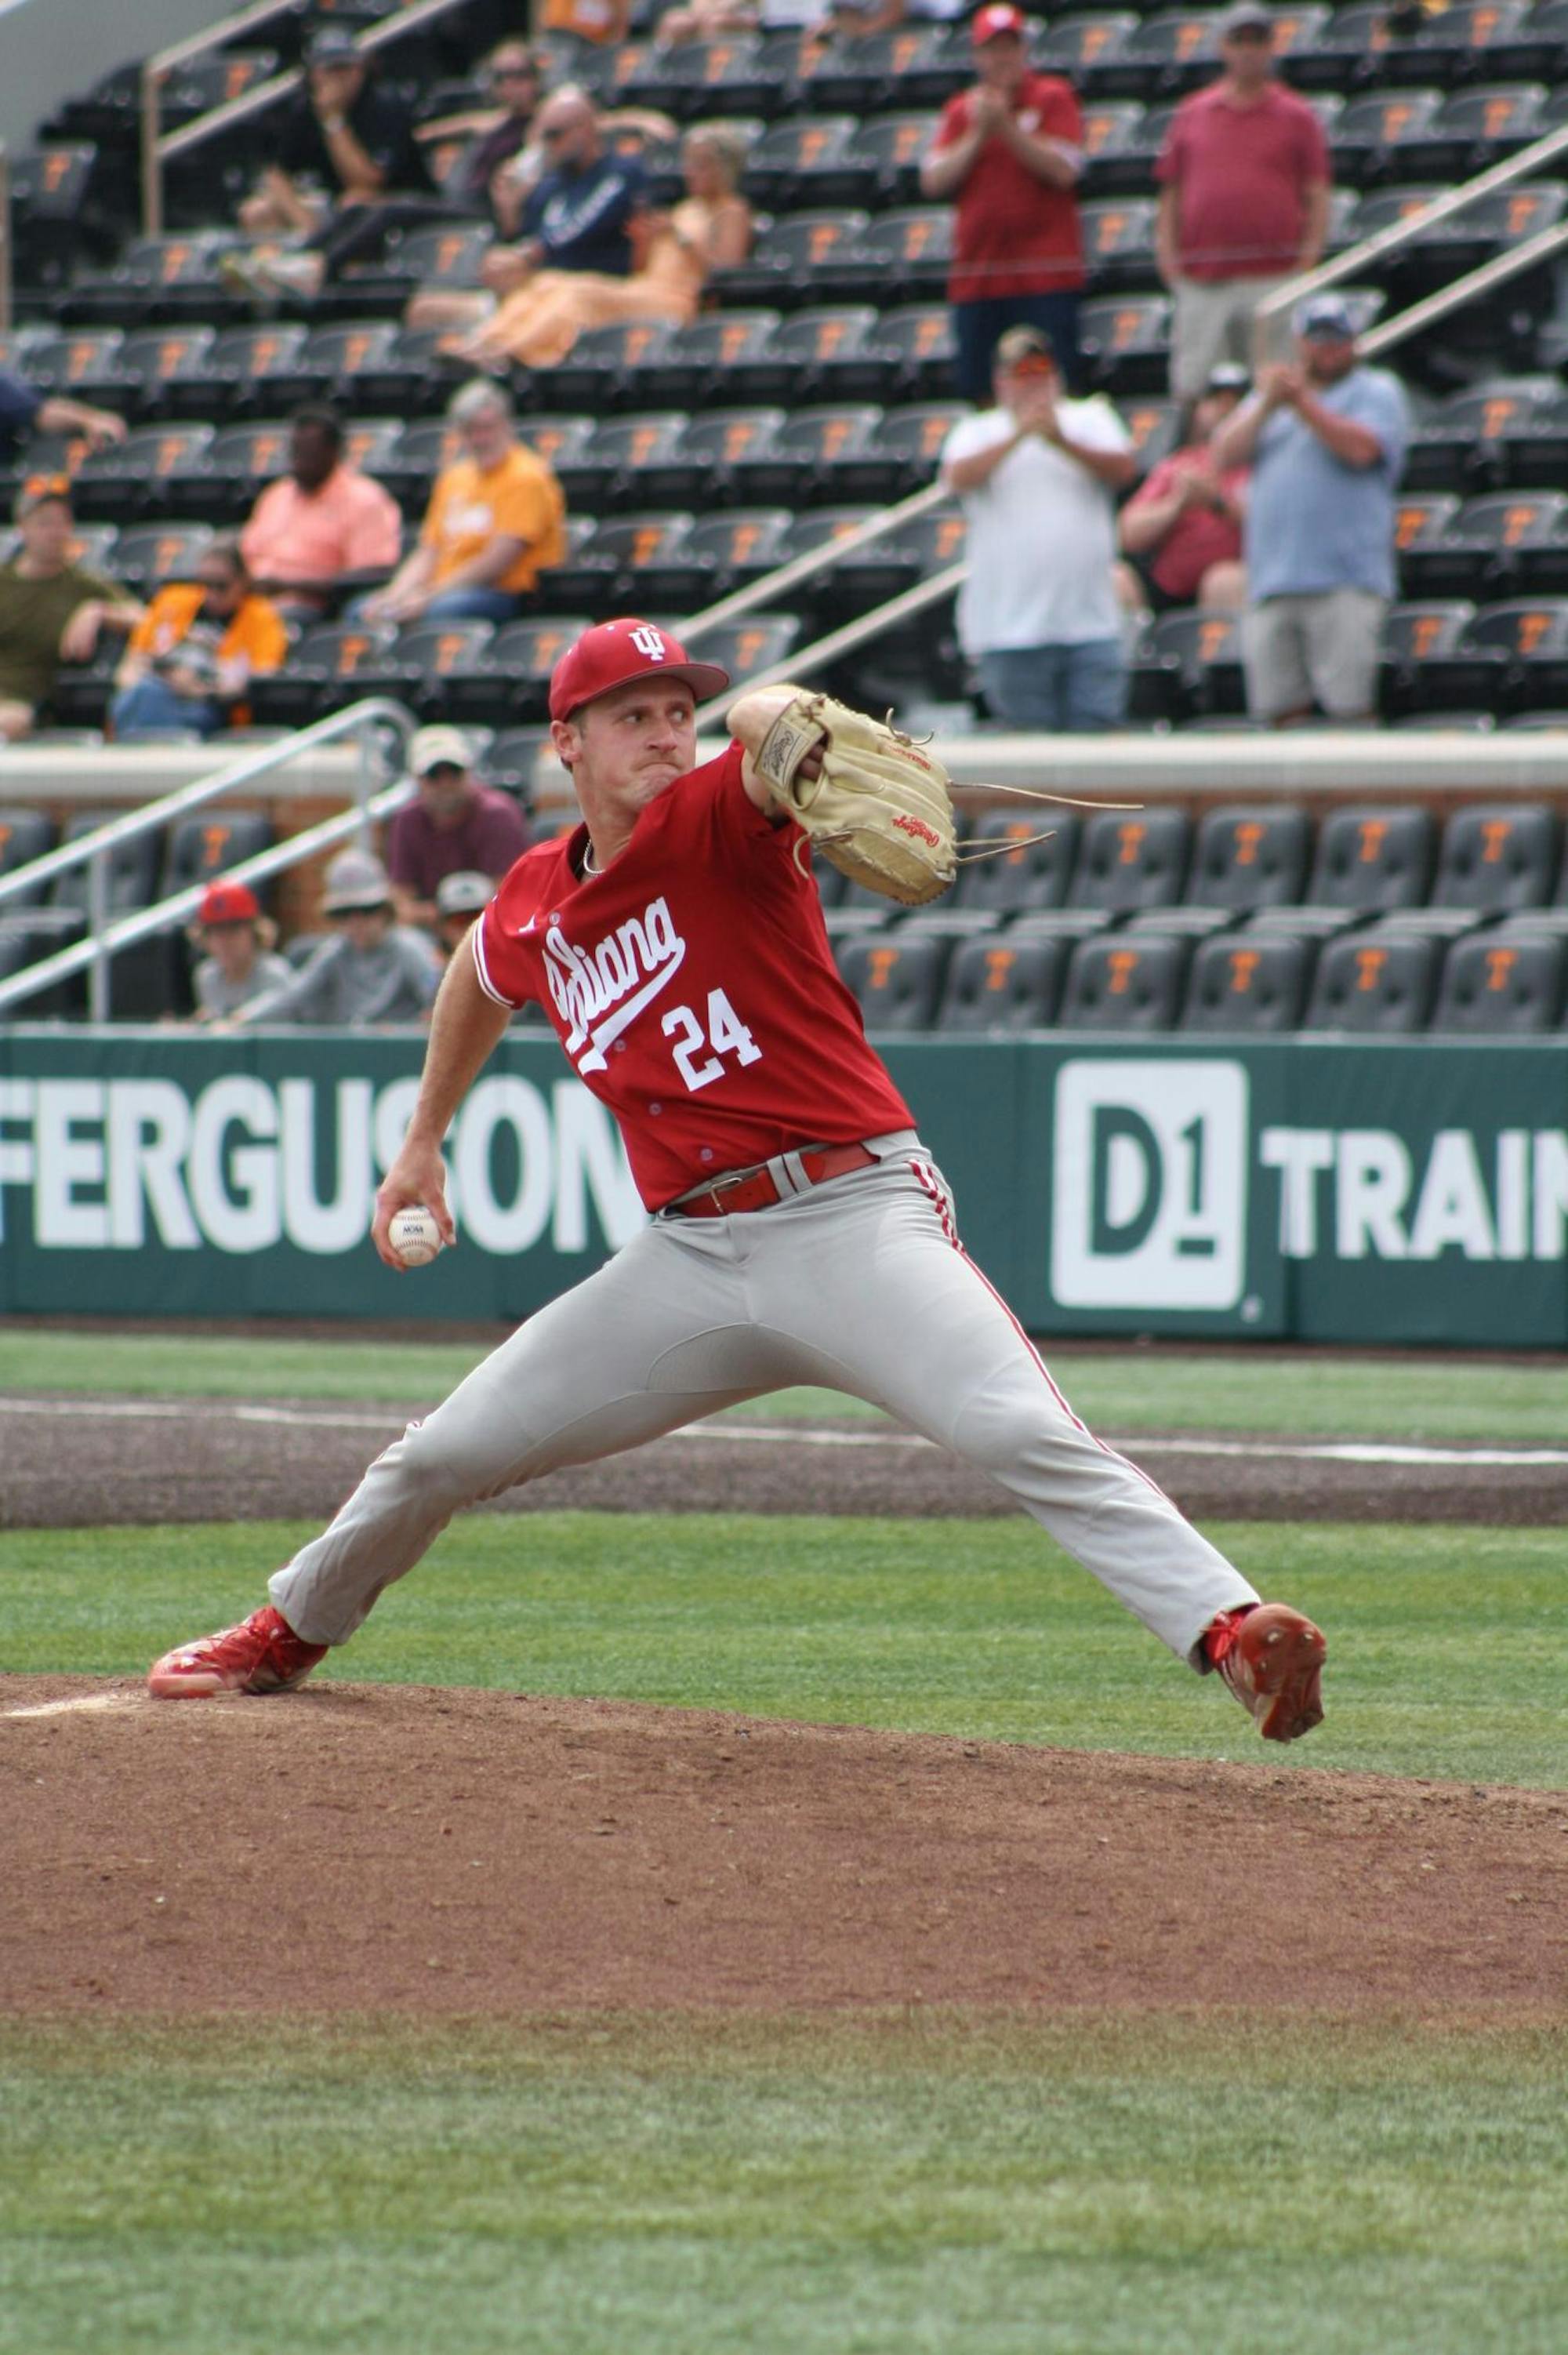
(942, 2184)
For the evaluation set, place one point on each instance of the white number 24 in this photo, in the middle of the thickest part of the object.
(727, 1035)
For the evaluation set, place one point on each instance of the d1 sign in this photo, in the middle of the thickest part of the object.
(1149, 1189)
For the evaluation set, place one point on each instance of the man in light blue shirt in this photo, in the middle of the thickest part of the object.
(1326, 439)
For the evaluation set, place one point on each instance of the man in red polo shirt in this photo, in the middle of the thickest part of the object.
(1009, 152)
(1244, 204)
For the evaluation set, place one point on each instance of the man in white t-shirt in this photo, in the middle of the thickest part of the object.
(1038, 477)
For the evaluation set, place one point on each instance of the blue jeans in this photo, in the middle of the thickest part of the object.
(152, 708)
(1064, 690)
(452, 606)
(977, 325)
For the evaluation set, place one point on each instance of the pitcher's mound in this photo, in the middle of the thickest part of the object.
(363, 1847)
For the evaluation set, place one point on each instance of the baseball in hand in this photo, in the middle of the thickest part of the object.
(415, 1236)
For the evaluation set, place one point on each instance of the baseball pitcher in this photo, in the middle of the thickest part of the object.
(798, 1230)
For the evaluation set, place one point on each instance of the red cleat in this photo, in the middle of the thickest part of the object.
(262, 1655)
(1272, 1658)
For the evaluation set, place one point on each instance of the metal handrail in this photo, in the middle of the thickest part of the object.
(843, 641)
(1401, 232)
(92, 849)
(158, 146)
(1495, 273)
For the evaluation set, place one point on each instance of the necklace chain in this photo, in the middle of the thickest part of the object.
(588, 866)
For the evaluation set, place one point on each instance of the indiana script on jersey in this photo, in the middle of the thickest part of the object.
(599, 991)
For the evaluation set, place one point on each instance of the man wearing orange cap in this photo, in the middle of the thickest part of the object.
(1010, 153)
(798, 1230)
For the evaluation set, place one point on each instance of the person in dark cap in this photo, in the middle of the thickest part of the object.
(52, 609)
(1326, 437)
(1243, 203)
(1181, 532)
(344, 147)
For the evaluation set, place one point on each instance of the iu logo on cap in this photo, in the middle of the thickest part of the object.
(648, 641)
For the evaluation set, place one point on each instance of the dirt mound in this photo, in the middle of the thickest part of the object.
(363, 1847)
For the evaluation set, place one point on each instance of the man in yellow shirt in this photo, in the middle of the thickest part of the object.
(188, 659)
(496, 518)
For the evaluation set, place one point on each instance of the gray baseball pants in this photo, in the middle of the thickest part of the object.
(859, 1284)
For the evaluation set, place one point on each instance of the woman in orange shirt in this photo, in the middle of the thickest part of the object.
(188, 659)
(710, 229)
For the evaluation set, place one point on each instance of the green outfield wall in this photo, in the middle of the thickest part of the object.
(1319, 1189)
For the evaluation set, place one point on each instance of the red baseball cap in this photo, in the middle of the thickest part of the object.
(991, 22)
(228, 903)
(625, 649)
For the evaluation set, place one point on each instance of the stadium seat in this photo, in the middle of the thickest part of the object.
(1124, 341)
(25, 835)
(1116, 162)
(432, 665)
(1249, 855)
(785, 269)
(520, 658)
(833, 353)
(1247, 982)
(898, 452)
(600, 372)
(1497, 856)
(1030, 873)
(1420, 654)
(695, 469)
(810, 163)
(737, 548)
(868, 576)
(131, 481)
(892, 146)
(908, 67)
(1517, 541)
(1129, 861)
(1377, 981)
(743, 648)
(1004, 981)
(804, 456)
(1516, 651)
(637, 564)
(84, 365)
(209, 843)
(1503, 984)
(916, 341)
(1503, 432)
(612, 468)
(1117, 984)
(1085, 49)
(1119, 244)
(1474, 129)
(168, 372)
(723, 358)
(1377, 137)
(132, 868)
(1374, 858)
(327, 670)
(1189, 665)
(897, 975)
(902, 256)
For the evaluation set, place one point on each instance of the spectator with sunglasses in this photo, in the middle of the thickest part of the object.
(498, 158)
(189, 658)
(458, 826)
(52, 609)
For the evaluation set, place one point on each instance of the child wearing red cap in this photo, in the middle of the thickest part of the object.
(241, 962)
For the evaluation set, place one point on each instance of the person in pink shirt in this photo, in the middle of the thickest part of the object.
(321, 526)
(1244, 204)
(798, 1230)
(1181, 532)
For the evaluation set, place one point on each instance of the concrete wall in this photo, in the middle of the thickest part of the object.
(52, 50)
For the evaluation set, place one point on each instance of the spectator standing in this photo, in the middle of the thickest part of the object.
(496, 517)
(321, 523)
(372, 970)
(1038, 477)
(1243, 203)
(1010, 153)
(347, 169)
(1181, 532)
(51, 610)
(191, 657)
(26, 408)
(240, 962)
(1325, 437)
(456, 825)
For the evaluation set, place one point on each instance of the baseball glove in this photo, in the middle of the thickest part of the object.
(879, 811)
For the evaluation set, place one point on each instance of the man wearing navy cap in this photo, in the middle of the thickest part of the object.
(1325, 437)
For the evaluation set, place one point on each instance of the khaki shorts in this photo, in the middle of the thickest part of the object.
(1212, 322)
(1322, 649)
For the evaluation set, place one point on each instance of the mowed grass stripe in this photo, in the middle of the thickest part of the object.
(1445, 1646)
(924, 2183)
(1130, 1389)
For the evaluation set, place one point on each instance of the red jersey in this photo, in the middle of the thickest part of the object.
(1199, 536)
(1241, 175)
(1011, 234)
(692, 986)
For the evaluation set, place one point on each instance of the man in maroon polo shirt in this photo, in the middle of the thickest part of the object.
(1244, 204)
(456, 825)
(1010, 153)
